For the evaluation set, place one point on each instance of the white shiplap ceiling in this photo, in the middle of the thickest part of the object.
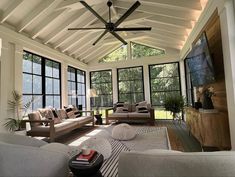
(47, 21)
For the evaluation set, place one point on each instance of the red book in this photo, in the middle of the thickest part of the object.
(86, 158)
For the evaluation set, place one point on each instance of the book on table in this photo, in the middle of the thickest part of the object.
(86, 159)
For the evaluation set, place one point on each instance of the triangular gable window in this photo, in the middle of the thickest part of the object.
(117, 55)
(139, 50)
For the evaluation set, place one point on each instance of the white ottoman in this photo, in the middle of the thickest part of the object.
(101, 145)
(123, 132)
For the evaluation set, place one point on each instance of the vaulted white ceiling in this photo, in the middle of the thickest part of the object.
(47, 21)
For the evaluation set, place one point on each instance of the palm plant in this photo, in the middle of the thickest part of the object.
(15, 105)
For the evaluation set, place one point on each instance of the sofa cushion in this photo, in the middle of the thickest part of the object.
(121, 110)
(142, 109)
(122, 115)
(62, 114)
(35, 116)
(123, 132)
(47, 113)
(136, 114)
(142, 103)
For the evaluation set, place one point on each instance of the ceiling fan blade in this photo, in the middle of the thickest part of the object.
(134, 29)
(118, 37)
(127, 13)
(93, 12)
(84, 28)
(97, 40)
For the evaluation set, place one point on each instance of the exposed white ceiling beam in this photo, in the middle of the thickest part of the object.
(167, 34)
(75, 4)
(69, 22)
(165, 41)
(83, 24)
(96, 54)
(168, 28)
(161, 37)
(113, 40)
(174, 13)
(170, 21)
(157, 43)
(180, 4)
(46, 22)
(77, 40)
(82, 45)
(167, 37)
(42, 8)
(90, 52)
(11, 9)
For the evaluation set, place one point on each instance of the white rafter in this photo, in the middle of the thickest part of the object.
(174, 13)
(83, 44)
(180, 4)
(75, 4)
(83, 24)
(11, 9)
(72, 20)
(42, 8)
(98, 52)
(46, 22)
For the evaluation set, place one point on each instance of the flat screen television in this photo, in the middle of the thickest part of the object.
(200, 63)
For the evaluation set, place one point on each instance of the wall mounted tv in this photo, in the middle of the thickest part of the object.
(200, 63)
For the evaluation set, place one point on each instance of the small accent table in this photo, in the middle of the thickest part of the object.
(98, 119)
(86, 171)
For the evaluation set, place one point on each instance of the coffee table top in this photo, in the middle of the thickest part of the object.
(85, 170)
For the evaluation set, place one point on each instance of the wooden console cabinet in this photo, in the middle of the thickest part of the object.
(211, 129)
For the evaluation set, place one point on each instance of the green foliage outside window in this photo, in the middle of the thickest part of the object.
(101, 81)
(130, 84)
(139, 51)
(116, 55)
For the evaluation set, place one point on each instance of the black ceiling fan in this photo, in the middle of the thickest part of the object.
(110, 26)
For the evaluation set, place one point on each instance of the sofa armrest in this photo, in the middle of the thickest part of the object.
(107, 111)
(91, 112)
(51, 125)
(32, 161)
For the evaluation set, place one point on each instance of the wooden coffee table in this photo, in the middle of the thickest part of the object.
(86, 171)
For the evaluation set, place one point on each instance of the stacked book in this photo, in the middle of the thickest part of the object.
(86, 159)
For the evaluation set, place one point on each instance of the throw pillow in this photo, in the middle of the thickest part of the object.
(57, 119)
(70, 112)
(62, 114)
(142, 103)
(35, 116)
(142, 109)
(121, 110)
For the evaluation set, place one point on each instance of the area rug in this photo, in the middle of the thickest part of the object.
(148, 137)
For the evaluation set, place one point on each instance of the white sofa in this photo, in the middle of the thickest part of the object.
(166, 163)
(25, 156)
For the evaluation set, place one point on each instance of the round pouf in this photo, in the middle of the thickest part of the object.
(123, 132)
(101, 145)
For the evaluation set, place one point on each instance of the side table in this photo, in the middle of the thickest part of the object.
(98, 119)
(86, 171)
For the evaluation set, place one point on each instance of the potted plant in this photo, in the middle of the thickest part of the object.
(15, 105)
(175, 104)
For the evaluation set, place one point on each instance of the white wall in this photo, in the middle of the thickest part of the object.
(11, 58)
(227, 20)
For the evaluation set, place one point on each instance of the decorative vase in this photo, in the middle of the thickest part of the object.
(207, 103)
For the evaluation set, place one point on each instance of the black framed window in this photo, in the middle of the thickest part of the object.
(41, 80)
(189, 87)
(52, 87)
(76, 87)
(164, 80)
(101, 81)
(130, 84)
